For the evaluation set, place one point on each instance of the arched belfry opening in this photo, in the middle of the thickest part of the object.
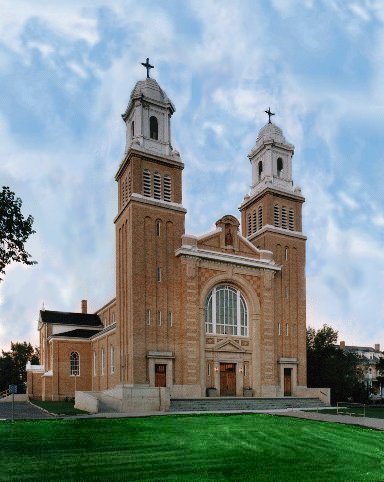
(280, 166)
(153, 128)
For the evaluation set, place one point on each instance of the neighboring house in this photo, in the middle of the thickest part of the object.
(370, 357)
(224, 311)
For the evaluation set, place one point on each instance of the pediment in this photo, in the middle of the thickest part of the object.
(228, 346)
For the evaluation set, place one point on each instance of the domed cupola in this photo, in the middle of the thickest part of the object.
(147, 117)
(271, 160)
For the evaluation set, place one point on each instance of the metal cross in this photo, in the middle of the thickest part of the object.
(148, 66)
(267, 112)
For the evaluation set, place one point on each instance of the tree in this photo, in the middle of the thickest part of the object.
(14, 231)
(329, 366)
(13, 363)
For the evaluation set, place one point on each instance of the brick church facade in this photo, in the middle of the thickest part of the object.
(222, 313)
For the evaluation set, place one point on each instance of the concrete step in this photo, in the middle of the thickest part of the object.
(240, 403)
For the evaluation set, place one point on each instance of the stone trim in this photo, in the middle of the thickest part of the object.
(274, 229)
(226, 258)
(152, 202)
(280, 192)
(148, 156)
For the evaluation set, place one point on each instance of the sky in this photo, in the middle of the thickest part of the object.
(67, 69)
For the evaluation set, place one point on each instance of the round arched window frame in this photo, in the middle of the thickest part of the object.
(226, 312)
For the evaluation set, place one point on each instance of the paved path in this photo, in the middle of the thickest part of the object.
(376, 423)
(22, 411)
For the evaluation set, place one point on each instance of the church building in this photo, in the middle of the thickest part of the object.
(220, 314)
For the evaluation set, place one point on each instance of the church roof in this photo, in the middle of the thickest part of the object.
(77, 333)
(270, 132)
(151, 90)
(64, 318)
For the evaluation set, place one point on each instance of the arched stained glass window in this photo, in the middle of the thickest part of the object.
(226, 312)
(75, 363)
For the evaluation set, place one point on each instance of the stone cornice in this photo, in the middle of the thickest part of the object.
(226, 258)
(152, 202)
(268, 228)
(148, 156)
(278, 192)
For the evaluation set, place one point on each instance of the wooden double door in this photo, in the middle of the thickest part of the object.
(227, 379)
(160, 375)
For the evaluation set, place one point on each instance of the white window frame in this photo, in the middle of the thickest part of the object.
(102, 361)
(148, 317)
(74, 368)
(237, 327)
(170, 318)
(158, 318)
(112, 354)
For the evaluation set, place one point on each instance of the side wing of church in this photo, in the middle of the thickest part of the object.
(222, 313)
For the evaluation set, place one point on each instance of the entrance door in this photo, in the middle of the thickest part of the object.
(287, 382)
(160, 375)
(227, 379)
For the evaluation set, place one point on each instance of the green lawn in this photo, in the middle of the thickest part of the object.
(59, 408)
(215, 447)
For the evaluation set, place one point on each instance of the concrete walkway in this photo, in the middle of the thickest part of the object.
(22, 411)
(28, 411)
(375, 423)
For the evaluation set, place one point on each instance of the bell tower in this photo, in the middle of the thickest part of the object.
(271, 218)
(149, 226)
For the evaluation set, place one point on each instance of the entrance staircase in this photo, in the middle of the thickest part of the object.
(217, 404)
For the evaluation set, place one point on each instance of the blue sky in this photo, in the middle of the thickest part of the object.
(66, 73)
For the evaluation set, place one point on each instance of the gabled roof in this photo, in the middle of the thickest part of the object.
(77, 333)
(63, 318)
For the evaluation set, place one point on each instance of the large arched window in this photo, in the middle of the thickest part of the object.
(153, 128)
(75, 363)
(226, 312)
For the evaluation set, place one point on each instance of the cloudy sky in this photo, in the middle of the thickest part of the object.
(66, 72)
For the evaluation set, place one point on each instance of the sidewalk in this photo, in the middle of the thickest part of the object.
(375, 423)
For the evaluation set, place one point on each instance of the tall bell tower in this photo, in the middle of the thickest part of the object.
(271, 218)
(149, 226)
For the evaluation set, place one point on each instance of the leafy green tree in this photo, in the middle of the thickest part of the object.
(14, 231)
(13, 363)
(330, 366)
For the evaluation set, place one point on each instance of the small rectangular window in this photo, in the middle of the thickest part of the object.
(157, 228)
(112, 359)
(148, 317)
(254, 222)
(276, 215)
(159, 318)
(158, 274)
(245, 370)
(94, 363)
(209, 369)
(113, 318)
(167, 188)
(291, 220)
(249, 224)
(170, 318)
(279, 328)
(284, 221)
(146, 183)
(260, 217)
(286, 292)
(157, 186)
(286, 329)
(286, 254)
(102, 361)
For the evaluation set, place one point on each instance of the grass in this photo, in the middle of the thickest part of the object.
(59, 408)
(201, 447)
(358, 411)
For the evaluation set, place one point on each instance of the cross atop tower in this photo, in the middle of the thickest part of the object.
(266, 111)
(148, 66)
